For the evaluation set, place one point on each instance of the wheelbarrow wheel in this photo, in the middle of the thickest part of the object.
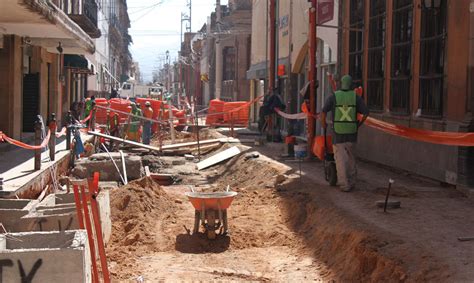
(331, 173)
(224, 220)
(211, 224)
(197, 219)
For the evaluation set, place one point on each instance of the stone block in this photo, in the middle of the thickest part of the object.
(85, 168)
(46, 257)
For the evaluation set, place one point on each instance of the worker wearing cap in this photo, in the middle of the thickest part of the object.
(345, 105)
(147, 113)
(134, 127)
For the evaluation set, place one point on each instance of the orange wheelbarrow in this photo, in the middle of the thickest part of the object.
(211, 211)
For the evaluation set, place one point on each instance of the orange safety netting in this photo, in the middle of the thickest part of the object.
(436, 137)
(45, 142)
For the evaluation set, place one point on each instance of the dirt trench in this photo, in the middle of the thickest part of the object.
(281, 230)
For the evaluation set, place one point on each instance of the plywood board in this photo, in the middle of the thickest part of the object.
(218, 158)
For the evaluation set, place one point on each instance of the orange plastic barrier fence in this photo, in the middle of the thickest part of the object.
(236, 112)
(215, 106)
(100, 113)
(120, 105)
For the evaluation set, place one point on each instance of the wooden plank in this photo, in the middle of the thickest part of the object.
(137, 144)
(218, 158)
(189, 144)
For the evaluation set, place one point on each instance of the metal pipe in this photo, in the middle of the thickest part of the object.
(124, 168)
(113, 161)
(219, 58)
(312, 74)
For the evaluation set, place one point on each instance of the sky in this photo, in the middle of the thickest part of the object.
(155, 28)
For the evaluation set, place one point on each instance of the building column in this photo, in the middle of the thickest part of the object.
(10, 83)
(466, 154)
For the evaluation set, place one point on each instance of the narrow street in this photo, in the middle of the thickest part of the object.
(236, 140)
(300, 229)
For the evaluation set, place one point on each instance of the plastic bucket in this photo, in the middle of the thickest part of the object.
(301, 150)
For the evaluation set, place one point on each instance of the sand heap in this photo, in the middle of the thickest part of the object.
(137, 208)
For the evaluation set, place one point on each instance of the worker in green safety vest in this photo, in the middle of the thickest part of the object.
(89, 105)
(345, 105)
(134, 127)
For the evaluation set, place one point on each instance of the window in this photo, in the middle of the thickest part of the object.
(229, 63)
(127, 87)
(376, 53)
(356, 41)
(401, 56)
(432, 41)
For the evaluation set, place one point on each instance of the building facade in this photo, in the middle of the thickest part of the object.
(413, 59)
(54, 53)
(232, 36)
(35, 37)
(292, 53)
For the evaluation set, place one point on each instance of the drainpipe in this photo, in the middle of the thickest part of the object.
(312, 75)
(271, 74)
(219, 59)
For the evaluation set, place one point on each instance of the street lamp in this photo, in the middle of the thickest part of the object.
(168, 69)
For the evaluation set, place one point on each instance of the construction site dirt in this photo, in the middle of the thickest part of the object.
(284, 227)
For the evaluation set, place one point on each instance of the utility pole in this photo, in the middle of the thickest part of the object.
(190, 13)
(219, 59)
(312, 75)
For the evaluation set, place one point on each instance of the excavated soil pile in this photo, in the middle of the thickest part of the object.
(135, 210)
(352, 250)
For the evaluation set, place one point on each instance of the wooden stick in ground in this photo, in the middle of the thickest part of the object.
(93, 192)
(390, 182)
(87, 219)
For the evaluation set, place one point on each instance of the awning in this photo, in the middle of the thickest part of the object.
(78, 64)
(44, 24)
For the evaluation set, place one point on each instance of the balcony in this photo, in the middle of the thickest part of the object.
(84, 13)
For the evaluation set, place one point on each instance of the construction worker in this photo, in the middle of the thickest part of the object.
(345, 105)
(114, 127)
(147, 113)
(134, 127)
(89, 106)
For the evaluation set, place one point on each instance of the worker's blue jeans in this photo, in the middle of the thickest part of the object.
(146, 132)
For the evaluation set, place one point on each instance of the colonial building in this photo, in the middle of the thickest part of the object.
(34, 38)
(228, 29)
(414, 60)
(292, 53)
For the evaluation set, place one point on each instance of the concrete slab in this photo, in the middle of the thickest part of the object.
(60, 208)
(45, 257)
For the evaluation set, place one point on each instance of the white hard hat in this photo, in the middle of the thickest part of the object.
(147, 103)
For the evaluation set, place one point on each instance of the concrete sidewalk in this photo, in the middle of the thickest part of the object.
(17, 168)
